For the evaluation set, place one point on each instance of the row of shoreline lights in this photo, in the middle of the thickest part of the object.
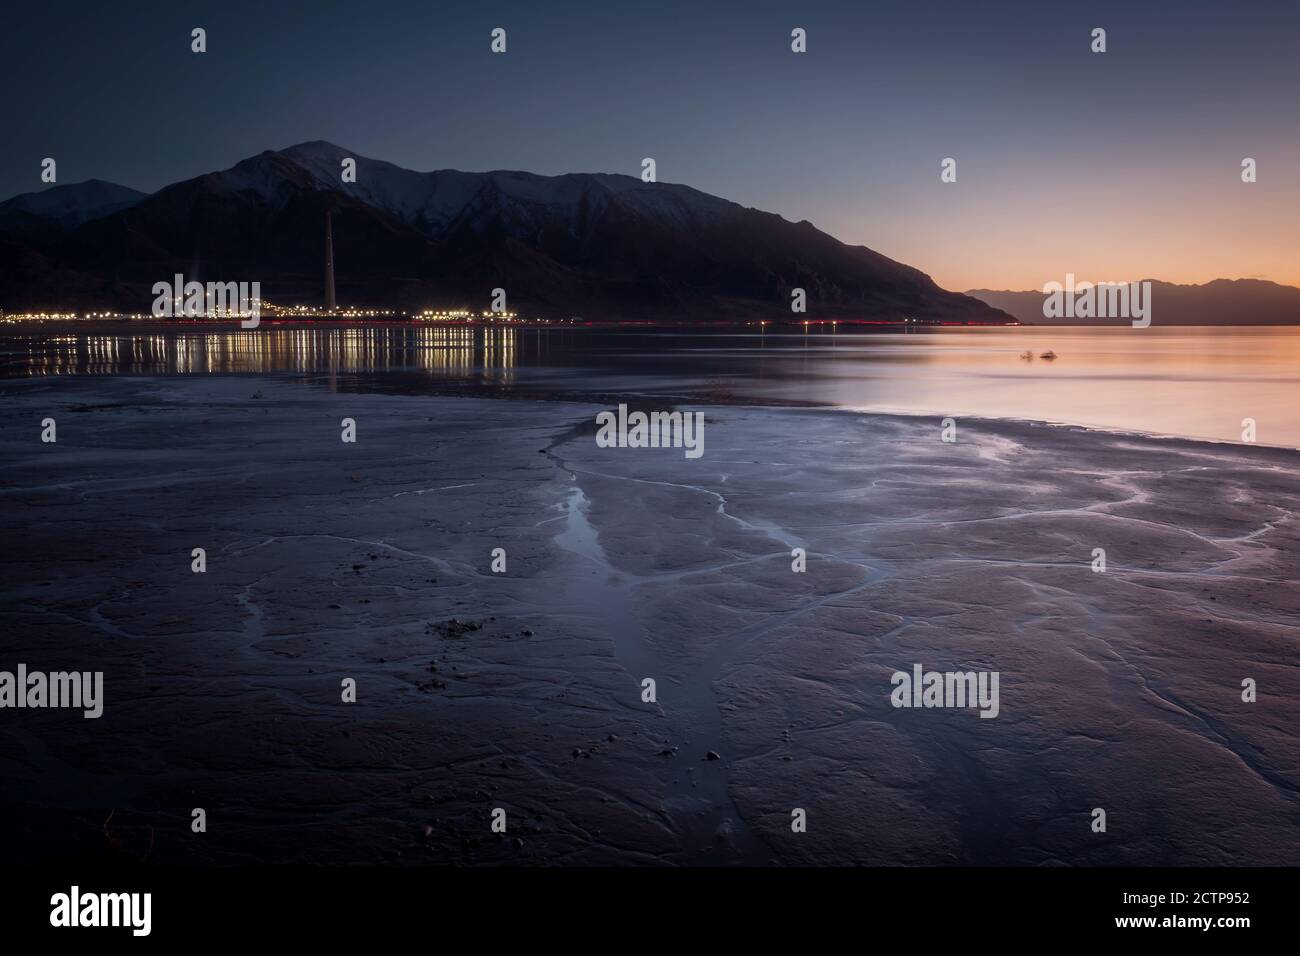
(312, 311)
(272, 310)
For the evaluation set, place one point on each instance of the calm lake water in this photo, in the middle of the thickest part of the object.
(1198, 382)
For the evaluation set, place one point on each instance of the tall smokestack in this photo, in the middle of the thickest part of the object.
(329, 262)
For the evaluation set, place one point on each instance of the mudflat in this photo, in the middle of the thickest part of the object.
(524, 690)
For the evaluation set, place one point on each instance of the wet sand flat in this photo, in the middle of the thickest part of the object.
(522, 690)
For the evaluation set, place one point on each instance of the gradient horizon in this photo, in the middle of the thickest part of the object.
(1115, 166)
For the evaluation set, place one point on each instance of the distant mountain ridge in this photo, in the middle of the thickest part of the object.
(1219, 302)
(71, 205)
(594, 244)
(42, 217)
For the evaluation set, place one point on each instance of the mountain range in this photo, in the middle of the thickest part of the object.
(591, 244)
(1220, 302)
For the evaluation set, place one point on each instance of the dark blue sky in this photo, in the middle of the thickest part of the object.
(1114, 166)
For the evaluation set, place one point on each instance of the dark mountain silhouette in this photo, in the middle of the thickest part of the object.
(63, 207)
(33, 220)
(597, 245)
(1220, 302)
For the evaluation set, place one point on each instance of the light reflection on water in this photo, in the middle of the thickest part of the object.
(262, 351)
(1200, 382)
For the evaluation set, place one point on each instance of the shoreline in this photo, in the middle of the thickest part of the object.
(612, 399)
